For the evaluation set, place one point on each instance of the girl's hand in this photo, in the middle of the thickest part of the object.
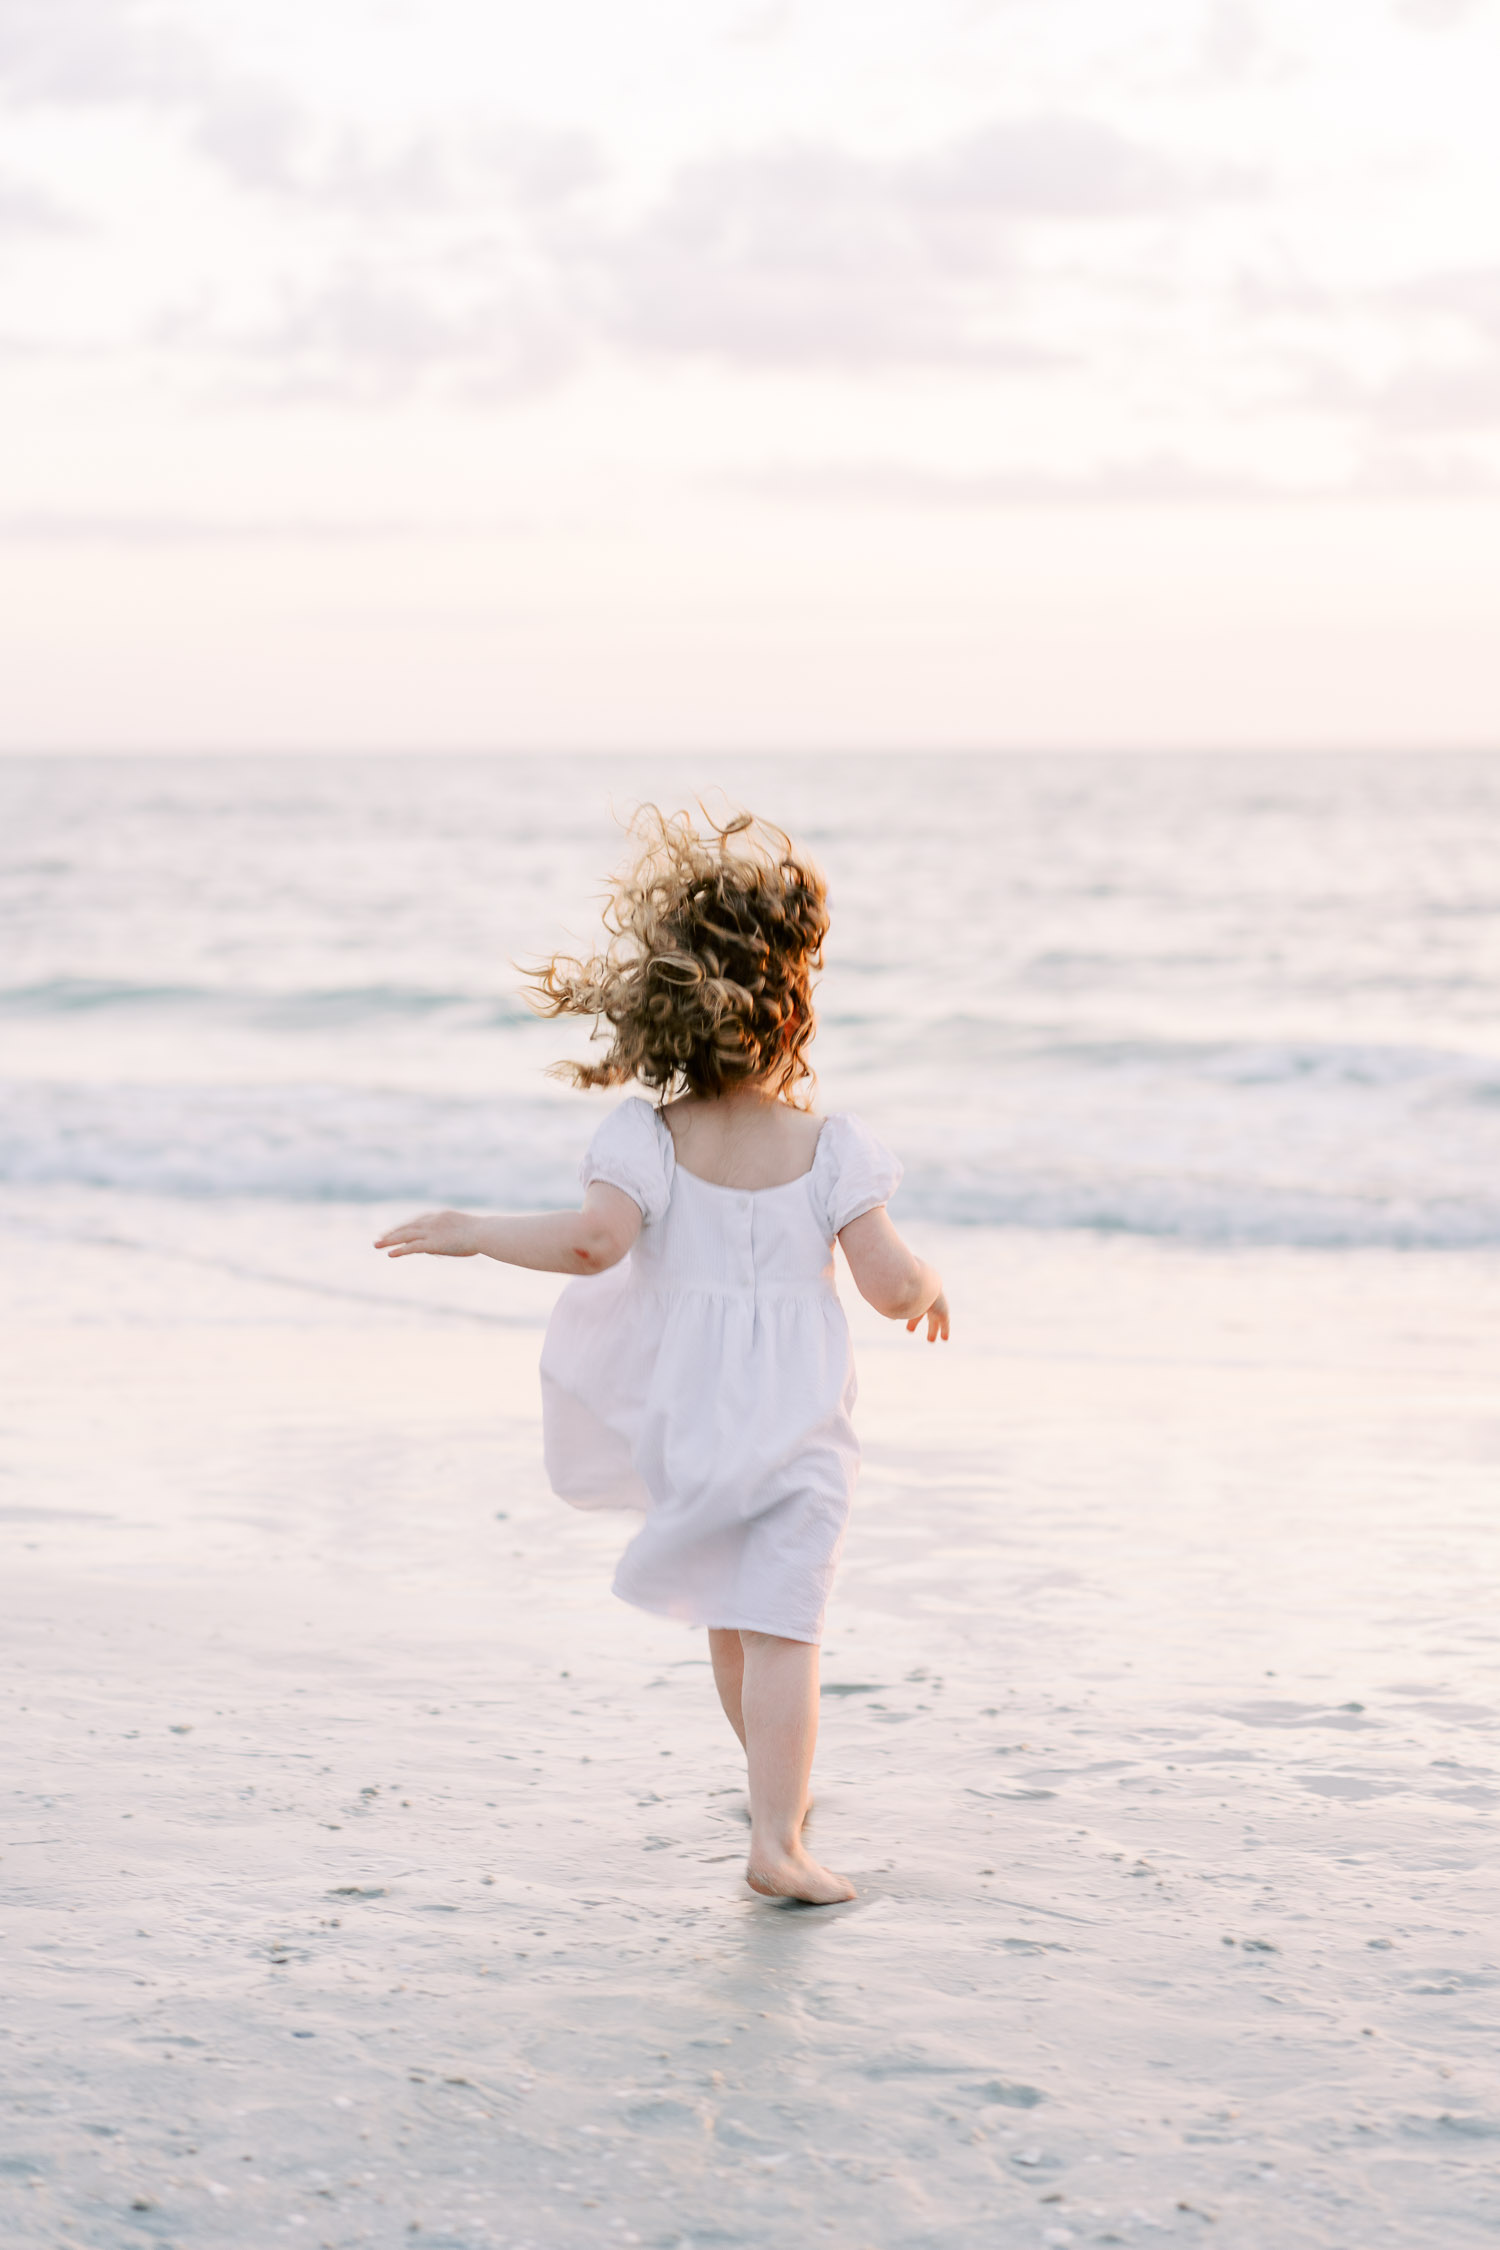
(441, 1234)
(936, 1317)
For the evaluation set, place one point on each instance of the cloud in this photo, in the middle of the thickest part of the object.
(1470, 295)
(113, 53)
(52, 527)
(367, 334)
(1449, 377)
(495, 260)
(82, 51)
(25, 209)
(1434, 401)
(499, 262)
(1435, 15)
(796, 254)
(162, 528)
(1405, 472)
(1236, 44)
(426, 257)
(95, 53)
(801, 254)
(519, 168)
(1231, 37)
(1055, 168)
(1147, 480)
(762, 25)
(804, 253)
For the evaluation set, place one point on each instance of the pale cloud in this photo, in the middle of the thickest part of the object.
(82, 54)
(500, 264)
(761, 26)
(799, 254)
(1162, 480)
(1452, 402)
(51, 527)
(498, 259)
(1448, 383)
(72, 51)
(465, 175)
(367, 332)
(27, 209)
(806, 254)
(1061, 167)
(1150, 480)
(1470, 296)
(91, 53)
(1436, 15)
(1234, 38)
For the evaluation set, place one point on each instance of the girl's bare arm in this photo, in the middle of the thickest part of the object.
(893, 1278)
(586, 1241)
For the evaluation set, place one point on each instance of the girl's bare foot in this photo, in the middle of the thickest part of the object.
(794, 1874)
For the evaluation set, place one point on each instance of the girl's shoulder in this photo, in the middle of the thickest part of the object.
(632, 1150)
(853, 1170)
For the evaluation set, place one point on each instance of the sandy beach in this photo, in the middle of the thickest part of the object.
(371, 1876)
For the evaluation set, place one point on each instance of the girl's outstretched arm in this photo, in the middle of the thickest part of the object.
(586, 1241)
(892, 1278)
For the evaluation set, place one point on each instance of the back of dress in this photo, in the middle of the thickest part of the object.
(708, 1379)
(722, 1241)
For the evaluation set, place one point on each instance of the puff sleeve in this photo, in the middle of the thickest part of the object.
(632, 1151)
(852, 1172)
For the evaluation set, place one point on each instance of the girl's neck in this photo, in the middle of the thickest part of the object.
(757, 1094)
(748, 1138)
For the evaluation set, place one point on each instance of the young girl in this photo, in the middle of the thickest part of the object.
(702, 1371)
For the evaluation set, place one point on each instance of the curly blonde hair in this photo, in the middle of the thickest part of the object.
(706, 981)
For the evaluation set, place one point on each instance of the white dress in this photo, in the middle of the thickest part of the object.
(708, 1379)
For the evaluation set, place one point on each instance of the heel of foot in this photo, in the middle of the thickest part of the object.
(799, 1878)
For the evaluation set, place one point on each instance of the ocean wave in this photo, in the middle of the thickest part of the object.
(961, 1046)
(968, 1048)
(314, 1010)
(1221, 1213)
(1211, 1164)
(296, 1143)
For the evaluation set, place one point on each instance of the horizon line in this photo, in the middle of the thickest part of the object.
(38, 753)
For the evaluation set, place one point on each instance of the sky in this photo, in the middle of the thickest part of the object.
(908, 375)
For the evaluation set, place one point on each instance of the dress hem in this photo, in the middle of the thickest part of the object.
(719, 1623)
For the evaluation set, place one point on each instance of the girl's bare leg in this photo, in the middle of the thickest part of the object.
(727, 1652)
(779, 1713)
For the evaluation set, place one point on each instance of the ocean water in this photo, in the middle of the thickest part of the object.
(1223, 1001)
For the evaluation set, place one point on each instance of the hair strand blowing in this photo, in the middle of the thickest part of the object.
(706, 979)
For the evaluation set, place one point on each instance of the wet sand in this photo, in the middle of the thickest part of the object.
(370, 1876)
